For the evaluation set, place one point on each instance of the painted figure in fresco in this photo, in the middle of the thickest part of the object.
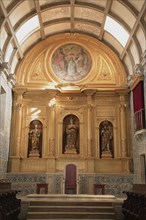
(106, 137)
(81, 60)
(71, 67)
(59, 59)
(71, 132)
(34, 135)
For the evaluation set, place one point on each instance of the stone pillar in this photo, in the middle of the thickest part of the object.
(123, 126)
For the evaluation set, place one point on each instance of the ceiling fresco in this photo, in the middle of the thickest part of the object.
(71, 62)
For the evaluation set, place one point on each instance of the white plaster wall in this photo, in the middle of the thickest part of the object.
(5, 122)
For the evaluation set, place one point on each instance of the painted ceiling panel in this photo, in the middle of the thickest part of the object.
(57, 28)
(96, 2)
(141, 38)
(145, 18)
(15, 61)
(8, 52)
(55, 13)
(128, 65)
(109, 38)
(119, 10)
(30, 41)
(3, 37)
(137, 3)
(134, 53)
(7, 2)
(89, 14)
(19, 12)
(95, 30)
(46, 2)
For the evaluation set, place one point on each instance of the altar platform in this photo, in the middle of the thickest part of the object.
(66, 197)
(70, 206)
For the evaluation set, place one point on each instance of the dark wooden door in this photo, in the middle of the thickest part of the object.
(70, 179)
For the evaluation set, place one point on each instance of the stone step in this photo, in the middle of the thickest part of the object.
(70, 203)
(70, 215)
(71, 208)
(71, 219)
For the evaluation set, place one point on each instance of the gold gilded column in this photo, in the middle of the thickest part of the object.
(89, 140)
(18, 128)
(123, 126)
(89, 94)
(52, 131)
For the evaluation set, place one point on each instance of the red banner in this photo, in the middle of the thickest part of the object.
(138, 97)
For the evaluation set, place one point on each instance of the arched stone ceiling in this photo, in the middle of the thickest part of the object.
(73, 16)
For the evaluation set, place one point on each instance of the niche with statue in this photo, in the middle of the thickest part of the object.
(71, 135)
(35, 139)
(106, 139)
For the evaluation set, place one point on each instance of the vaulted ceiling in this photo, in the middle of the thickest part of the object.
(24, 23)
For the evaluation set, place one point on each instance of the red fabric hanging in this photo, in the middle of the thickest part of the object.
(138, 97)
(138, 102)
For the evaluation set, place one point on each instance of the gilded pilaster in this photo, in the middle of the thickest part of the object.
(89, 94)
(89, 140)
(52, 133)
(19, 107)
(123, 126)
(17, 127)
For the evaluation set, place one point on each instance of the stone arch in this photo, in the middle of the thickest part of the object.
(70, 134)
(35, 138)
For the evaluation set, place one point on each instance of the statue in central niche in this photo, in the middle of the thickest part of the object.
(71, 137)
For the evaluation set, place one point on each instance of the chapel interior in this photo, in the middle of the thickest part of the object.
(73, 95)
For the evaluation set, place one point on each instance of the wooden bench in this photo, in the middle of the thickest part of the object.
(134, 207)
(9, 204)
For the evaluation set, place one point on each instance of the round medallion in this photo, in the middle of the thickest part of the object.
(71, 62)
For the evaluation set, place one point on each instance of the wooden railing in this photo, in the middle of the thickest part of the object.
(139, 120)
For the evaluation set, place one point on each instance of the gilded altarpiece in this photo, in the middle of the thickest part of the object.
(77, 81)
